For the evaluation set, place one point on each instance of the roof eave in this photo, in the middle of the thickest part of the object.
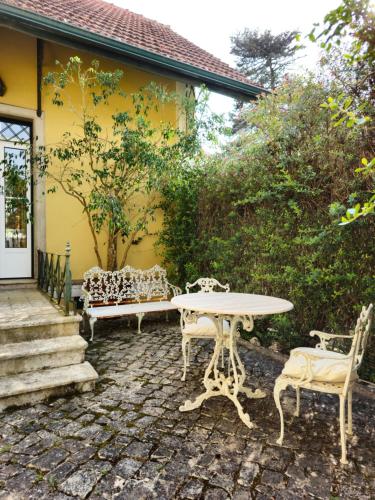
(49, 29)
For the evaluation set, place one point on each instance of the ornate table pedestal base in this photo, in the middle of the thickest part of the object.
(215, 381)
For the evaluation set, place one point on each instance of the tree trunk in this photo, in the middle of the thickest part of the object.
(128, 244)
(272, 74)
(112, 252)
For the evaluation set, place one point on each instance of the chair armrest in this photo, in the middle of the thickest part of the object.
(329, 336)
(326, 338)
(175, 289)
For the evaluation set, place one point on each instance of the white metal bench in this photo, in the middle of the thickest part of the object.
(129, 291)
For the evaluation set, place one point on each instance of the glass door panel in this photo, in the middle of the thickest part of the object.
(15, 210)
(16, 199)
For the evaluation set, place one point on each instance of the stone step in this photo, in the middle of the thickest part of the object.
(39, 328)
(29, 388)
(35, 355)
(16, 284)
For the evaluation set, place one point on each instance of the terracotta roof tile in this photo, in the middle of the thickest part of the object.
(120, 24)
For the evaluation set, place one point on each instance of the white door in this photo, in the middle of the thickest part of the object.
(15, 206)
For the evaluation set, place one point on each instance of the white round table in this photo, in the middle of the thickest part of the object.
(237, 308)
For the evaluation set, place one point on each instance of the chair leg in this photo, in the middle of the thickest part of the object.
(140, 317)
(184, 354)
(92, 322)
(222, 358)
(276, 395)
(350, 417)
(189, 352)
(298, 402)
(342, 430)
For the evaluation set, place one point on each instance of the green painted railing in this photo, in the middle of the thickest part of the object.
(55, 278)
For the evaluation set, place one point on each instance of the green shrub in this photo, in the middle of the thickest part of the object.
(263, 215)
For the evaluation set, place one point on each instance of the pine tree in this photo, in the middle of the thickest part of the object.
(264, 57)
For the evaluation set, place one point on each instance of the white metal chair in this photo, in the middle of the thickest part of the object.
(204, 328)
(324, 370)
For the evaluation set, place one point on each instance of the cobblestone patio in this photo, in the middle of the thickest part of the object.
(129, 441)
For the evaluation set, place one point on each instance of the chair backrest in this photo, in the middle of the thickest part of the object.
(360, 338)
(207, 285)
(361, 334)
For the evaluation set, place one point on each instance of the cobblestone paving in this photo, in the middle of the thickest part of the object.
(129, 441)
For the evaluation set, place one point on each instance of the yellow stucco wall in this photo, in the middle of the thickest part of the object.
(64, 218)
(18, 68)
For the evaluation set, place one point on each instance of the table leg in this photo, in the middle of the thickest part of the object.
(250, 393)
(215, 381)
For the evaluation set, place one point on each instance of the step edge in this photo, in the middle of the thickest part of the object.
(18, 281)
(75, 342)
(87, 374)
(58, 320)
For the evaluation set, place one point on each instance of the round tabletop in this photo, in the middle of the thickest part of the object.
(232, 304)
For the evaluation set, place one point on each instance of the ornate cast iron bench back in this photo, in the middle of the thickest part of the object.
(104, 291)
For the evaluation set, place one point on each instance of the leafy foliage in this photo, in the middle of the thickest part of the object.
(179, 241)
(353, 24)
(262, 215)
(115, 173)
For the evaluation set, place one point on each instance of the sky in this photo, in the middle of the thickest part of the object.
(210, 24)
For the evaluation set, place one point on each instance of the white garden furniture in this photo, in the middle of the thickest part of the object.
(204, 327)
(236, 308)
(324, 370)
(129, 291)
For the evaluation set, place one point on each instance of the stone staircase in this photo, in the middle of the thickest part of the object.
(41, 351)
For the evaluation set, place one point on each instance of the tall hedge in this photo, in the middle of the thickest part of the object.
(263, 215)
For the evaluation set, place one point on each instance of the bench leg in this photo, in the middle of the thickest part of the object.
(140, 317)
(92, 322)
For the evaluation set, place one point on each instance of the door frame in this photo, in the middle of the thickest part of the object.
(38, 199)
(29, 250)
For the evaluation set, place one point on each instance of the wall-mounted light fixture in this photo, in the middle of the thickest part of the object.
(2, 88)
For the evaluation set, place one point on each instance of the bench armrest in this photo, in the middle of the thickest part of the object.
(86, 298)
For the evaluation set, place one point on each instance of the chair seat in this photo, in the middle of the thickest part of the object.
(331, 367)
(204, 327)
